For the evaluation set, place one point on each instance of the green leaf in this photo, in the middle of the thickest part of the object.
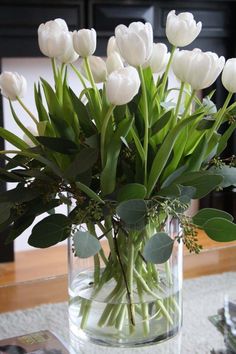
(220, 229)
(228, 173)
(205, 214)
(49, 231)
(13, 139)
(172, 191)
(64, 146)
(133, 213)
(90, 193)
(225, 137)
(85, 244)
(195, 161)
(162, 121)
(186, 194)
(164, 153)
(19, 226)
(83, 161)
(19, 195)
(205, 123)
(173, 176)
(158, 248)
(131, 191)
(138, 144)
(5, 212)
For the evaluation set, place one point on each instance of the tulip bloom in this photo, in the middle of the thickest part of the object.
(159, 57)
(112, 46)
(182, 29)
(85, 42)
(53, 38)
(199, 69)
(13, 85)
(135, 42)
(69, 55)
(98, 69)
(114, 62)
(229, 75)
(122, 85)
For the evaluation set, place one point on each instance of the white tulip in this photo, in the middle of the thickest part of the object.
(199, 69)
(112, 46)
(98, 69)
(53, 38)
(85, 42)
(69, 55)
(159, 58)
(182, 29)
(13, 85)
(135, 42)
(229, 75)
(122, 85)
(114, 62)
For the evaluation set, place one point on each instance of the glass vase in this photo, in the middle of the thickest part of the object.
(118, 299)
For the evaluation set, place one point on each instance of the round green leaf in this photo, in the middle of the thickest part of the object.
(132, 212)
(85, 244)
(49, 231)
(205, 214)
(158, 248)
(221, 230)
(132, 191)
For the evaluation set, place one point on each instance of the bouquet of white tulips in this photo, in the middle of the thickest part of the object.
(125, 155)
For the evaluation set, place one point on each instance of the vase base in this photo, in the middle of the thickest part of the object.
(168, 343)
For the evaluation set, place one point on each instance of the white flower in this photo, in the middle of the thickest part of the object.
(159, 58)
(98, 69)
(13, 85)
(135, 42)
(112, 46)
(182, 29)
(114, 62)
(85, 42)
(122, 85)
(53, 37)
(69, 55)
(199, 69)
(229, 75)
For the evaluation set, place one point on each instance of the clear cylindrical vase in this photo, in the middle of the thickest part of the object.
(117, 298)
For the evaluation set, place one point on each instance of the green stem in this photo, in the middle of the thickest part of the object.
(54, 69)
(79, 75)
(27, 111)
(186, 111)
(218, 119)
(179, 100)
(146, 123)
(130, 284)
(165, 77)
(93, 84)
(103, 133)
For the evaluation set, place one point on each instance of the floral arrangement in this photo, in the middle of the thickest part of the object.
(125, 154)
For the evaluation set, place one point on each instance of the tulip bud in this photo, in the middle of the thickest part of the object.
(112, 46)
(69, 55)
(12, 85)
(98, 69)
(182, 29)
(122, 85)
(229, 75)
(159, 58)
(114, 62)
(53, 37)
(135, 42)
(85, 42)
(199, 69)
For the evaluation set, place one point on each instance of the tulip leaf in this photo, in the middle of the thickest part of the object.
(195, 161)
(133, 213)
(131, 191)
(49, 231)
(13, 139)
(205, 214)
(158, 248)
(19, 194)
(205, 123)
(164, 152)
(85, 244)
(64, 146)
(161, 122)
(90, 193)
(82, 162)
(220, 229)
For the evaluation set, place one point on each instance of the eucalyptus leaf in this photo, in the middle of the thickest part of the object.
(227, 172)
(64, 146)
(158, 248)
(131, 191)
(220, 229)
(133, 213)
(203, 215)
(90, 193)
(85, 244)
(49, 231)
(5, 212)
(82, 162)
(19, 195)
